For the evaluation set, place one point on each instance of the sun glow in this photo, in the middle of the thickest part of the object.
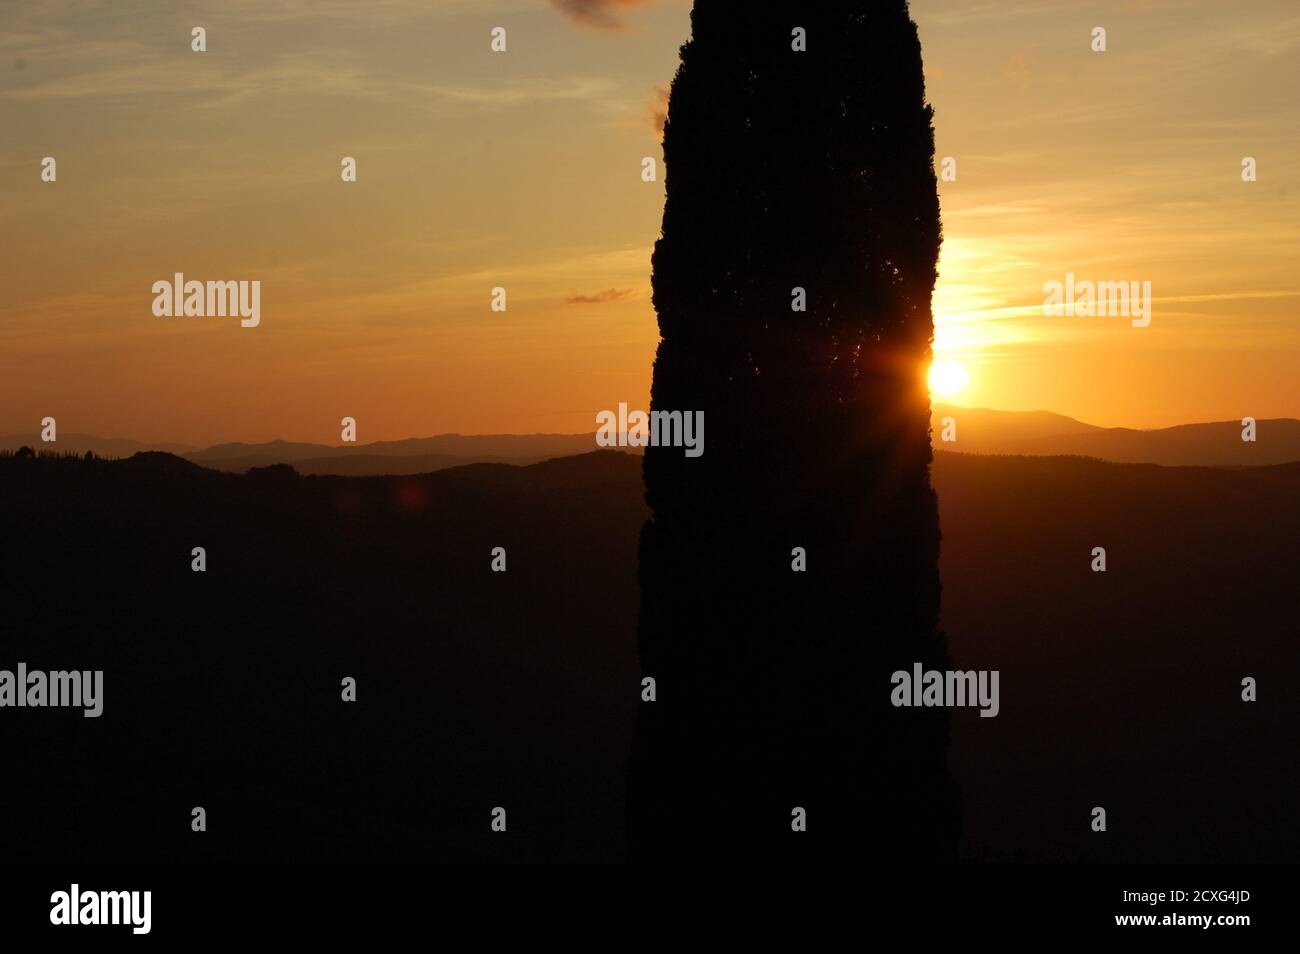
(948, 378)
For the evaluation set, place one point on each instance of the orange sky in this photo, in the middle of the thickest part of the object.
(522, 169)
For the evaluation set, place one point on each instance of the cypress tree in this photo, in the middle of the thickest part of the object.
(787, 170)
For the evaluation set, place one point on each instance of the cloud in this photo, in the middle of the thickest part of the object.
(137, 71)
(963, 13)
(609, 294)
(598, 14)
(1016, 71)
(657, 110)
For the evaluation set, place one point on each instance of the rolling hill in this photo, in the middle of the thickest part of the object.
(1043, 434)
(978, 431)
(476, 688)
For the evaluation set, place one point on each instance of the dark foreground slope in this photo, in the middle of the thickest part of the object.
(1122, 689)
(477, 690)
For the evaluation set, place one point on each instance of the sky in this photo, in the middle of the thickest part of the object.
(522, 170)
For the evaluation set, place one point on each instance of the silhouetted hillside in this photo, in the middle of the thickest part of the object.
(477, 689)
(69, 443)
(979, 431)
(1123, 689)
(222, 688)
(414, 455)
(350, 465)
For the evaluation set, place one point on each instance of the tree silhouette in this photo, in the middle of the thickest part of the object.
(791, 170)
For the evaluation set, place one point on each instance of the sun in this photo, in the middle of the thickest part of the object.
(948, 378)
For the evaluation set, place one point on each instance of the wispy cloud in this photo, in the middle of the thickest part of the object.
(598, 14)
(140, 72)
(657, 110)
(601, 297)
(1016, 70)
(961, 13)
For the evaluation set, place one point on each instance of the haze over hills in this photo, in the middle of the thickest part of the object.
(978, 431)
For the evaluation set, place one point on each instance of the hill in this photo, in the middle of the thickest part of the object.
(415, 455)
(478, 689)
(979, 431)
(71, 443)
(1043, 434)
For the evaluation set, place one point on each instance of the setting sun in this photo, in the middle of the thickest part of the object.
(947, 378)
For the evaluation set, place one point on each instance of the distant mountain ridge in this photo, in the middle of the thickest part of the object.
(1044, 434)
(978, 431)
